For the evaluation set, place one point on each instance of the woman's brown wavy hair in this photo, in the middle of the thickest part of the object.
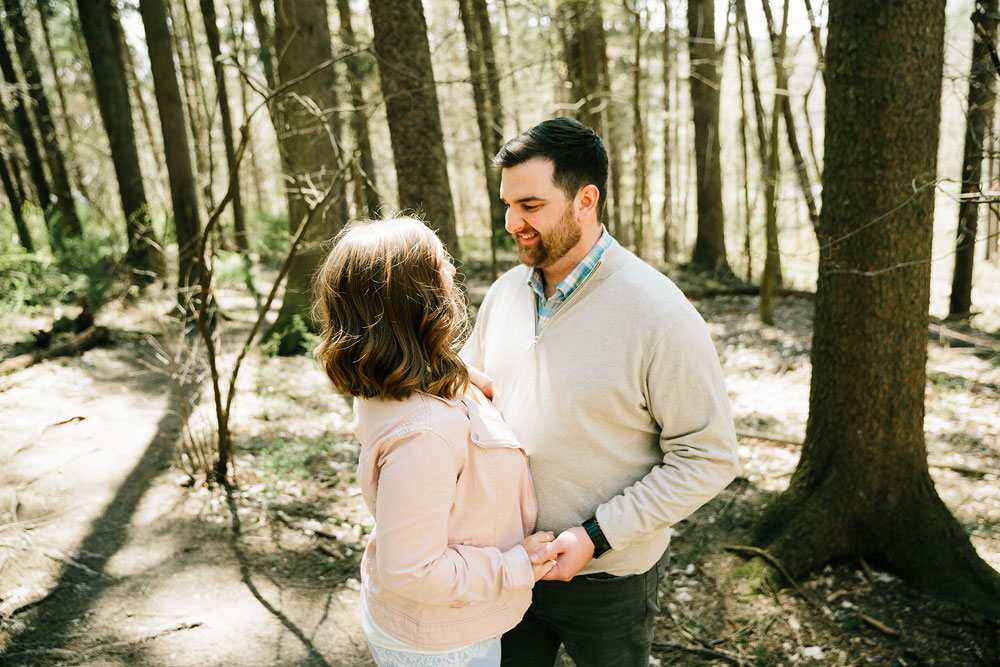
(389, 324)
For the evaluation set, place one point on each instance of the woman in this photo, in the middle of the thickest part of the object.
(446, 570)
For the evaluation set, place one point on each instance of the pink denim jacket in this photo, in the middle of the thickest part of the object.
(449, 487)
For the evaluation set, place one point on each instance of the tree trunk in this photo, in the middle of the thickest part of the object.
(255, 175)
(745, 154)
(484, 115)
(611, 129)
(306, 112)
(801, 171)
(709, 252)
(215, 49)
(411, 107)
(98, 22)
(770, 280)
(23, 235)
(367, 188)
(27, 134)
(862, 487)
(639, 193)
(668, 146)
(68, 224)
(183, 188)
(979, 121)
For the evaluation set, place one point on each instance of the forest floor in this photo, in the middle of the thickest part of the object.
(111, 554)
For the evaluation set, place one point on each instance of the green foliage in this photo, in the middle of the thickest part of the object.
(228, 269)
(284, 461)
(293, 339)
(268, 235)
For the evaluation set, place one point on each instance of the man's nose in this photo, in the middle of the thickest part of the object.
(511, 223)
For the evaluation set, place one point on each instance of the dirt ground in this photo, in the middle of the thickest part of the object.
(110, 554)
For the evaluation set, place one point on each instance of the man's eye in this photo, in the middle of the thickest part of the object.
(531, 207)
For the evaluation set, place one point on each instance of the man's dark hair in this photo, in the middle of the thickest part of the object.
(576, 151)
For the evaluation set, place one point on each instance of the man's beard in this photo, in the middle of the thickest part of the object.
(551, 246)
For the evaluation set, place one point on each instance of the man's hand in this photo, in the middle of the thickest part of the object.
(483, 381)
(571, 551)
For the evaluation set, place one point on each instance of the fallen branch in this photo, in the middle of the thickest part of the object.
(944, 334)
(726, 656)
(63, 558)
(20, 599)
(879, 625)
(739, 548)
(773, 437)
(91, 337)
(186, 624)
(749, 290)
(311, 525)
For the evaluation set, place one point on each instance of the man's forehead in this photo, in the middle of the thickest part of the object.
(531, 179)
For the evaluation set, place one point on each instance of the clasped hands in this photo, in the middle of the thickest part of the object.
(558, 558)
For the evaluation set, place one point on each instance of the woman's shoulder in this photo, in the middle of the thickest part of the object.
(380, 421)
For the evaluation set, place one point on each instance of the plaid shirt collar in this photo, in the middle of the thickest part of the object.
(546, 308)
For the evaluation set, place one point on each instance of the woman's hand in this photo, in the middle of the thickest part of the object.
(533, 543)
(483, 381)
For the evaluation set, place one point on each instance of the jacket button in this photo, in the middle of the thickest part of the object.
(475, 436)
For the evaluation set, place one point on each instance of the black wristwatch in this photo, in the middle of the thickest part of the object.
(593, 529)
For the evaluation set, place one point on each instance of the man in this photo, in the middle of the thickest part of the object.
(610, 380)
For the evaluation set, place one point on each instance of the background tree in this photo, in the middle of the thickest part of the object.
(222, 95)
(309, 138)
(667, 57)
(978, 125)
(14, 199)
(863, 473)
(411, 107)
(709, 252)
(183, 188)
(98, 20)
(479, 34)
(66, 223)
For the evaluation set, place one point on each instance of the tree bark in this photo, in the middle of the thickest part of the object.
(488, 141)
(25, 131)
(709, 252)
(68, 224)
(745, 154)
(862, 487)
(639, 192)
(978, 123)
(411, 107)
(215, 49)
(183, 188)
(99, 23)
(309, 139)
(368, 199)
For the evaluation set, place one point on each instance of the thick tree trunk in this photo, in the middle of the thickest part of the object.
(484, 117)
(411, 107)
(23, 235)
(368, 199)
(215, 49)
(25, 131)
(306, 113)
(745, 154)
(68, 224)
(98, 22)
(183, 188)
(862, 487)
(979, 121)
(709, 252)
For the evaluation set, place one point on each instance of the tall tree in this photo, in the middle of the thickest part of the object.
(709, 252)
(490, 136)
(222, 94)
(668, 146)
(68, 224)
(862, 486)
(770, 279)
(978, 124)
(639, 194)
(411, 107)
(98, 21)
(309, 140)
(366, 185)
(183, 189)
(23, 235)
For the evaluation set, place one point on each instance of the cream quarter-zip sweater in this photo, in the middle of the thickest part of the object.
(619, 402)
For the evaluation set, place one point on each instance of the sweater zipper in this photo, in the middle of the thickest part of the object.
(579, 288)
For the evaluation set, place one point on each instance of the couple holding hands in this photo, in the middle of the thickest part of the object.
(523, 485)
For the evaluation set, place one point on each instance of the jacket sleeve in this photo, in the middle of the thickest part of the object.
(686, 396)
(415, 496)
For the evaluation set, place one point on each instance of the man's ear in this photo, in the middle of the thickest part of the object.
(587, 200)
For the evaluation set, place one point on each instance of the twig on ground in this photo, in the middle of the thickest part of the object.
(311, 525)
(879, 625)
(63, 558)
(726, 656)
